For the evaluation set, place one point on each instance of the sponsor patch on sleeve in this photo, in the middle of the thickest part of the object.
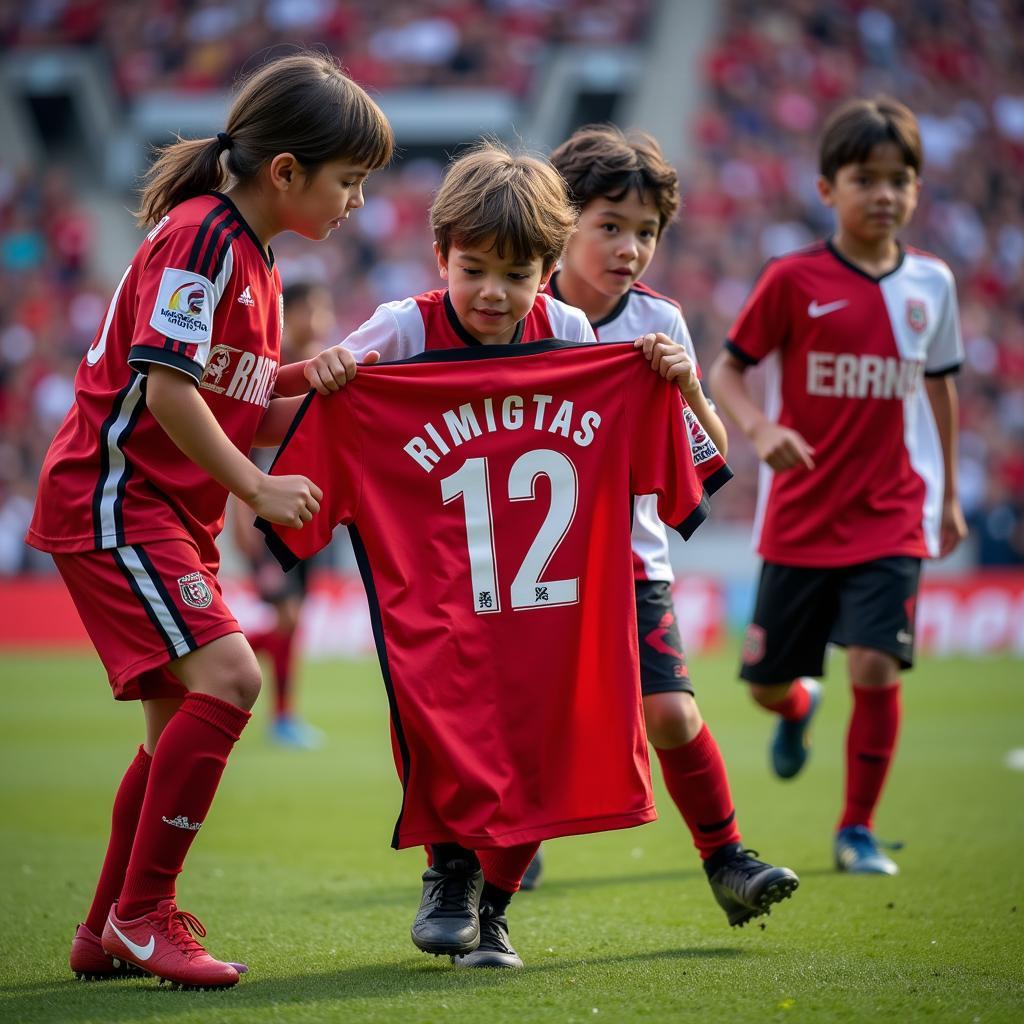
(701, 445)
(184, 307)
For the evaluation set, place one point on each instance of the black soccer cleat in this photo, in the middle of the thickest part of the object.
(746, 887)
(495, 949)
(448, 920)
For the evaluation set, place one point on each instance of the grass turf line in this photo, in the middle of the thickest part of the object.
(293, 873)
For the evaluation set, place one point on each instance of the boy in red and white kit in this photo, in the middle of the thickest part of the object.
(859, 477)
(627, 195)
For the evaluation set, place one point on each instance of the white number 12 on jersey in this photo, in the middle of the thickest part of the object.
(472, 483)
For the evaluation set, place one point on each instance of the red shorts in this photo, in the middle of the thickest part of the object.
(144, 606)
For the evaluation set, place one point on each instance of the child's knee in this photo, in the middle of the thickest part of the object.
(673, 719)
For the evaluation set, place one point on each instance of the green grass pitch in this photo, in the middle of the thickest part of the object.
(293, 872)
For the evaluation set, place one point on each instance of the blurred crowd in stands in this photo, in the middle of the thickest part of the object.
(770, 77)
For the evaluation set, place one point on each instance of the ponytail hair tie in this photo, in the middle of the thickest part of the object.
(224, 140)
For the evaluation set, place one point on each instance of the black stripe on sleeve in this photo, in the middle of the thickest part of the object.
(686, 528)
(734, 350)
(945, 371)
(133, 583)
(140, 356)
(366, 572)
(721, 476)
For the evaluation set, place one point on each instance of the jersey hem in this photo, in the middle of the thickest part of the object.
(87, 542)
(284, 554)
(810, 560)
(537, 834)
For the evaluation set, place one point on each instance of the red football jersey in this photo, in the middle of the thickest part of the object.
(488, 495)
(849, 352)
(642, 310)
(202, 296)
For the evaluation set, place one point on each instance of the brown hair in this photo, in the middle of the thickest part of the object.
(516, 199)
(303, 104)
(855, 128)
(599, 160)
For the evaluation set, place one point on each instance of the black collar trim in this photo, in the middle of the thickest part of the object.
(268, 253)
(830, 245)
(464, 336)
(510, 351)
(607, 318)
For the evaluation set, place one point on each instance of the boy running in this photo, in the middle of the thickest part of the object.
(627, 194)
(859, 477)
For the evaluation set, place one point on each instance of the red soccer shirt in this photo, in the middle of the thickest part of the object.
(202, 297)
(487, 492)
(849, 352)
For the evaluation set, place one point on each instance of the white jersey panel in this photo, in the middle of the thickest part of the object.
(921, 302)
(644, 313)
(567, 322)
(395, 330)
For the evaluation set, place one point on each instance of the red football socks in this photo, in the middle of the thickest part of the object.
(505, 866)
(187, 765)
(124, 820)
(279, 646)
(794, 705)
(696, 780)
(870, 743)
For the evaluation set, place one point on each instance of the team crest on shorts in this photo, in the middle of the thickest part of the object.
(753, 644)
(917, 315)
(194, 591)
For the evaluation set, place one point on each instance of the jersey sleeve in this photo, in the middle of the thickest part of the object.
(390, 331)
(763, 323)
(946, 351)
(569, 323)
(176, 303)
(661, 458)
(322, 444)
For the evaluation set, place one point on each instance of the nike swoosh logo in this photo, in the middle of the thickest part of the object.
(141, 952)
(814, 310)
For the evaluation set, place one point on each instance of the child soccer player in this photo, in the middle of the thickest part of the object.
(500, 224)
(859, 477)
(627, 194)
(177, 385)
(309, 322)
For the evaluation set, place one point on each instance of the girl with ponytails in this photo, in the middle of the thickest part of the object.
(181, 380)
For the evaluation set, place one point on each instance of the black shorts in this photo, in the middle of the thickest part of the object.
(662, 658)
(800, 610)
(273, 584)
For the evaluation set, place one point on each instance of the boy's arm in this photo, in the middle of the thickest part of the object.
(276, 421)
(943, 399)
(780, 447)
(327, 371)
(175, 402)
(673, 362)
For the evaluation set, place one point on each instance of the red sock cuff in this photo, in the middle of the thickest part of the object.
(876, 694)
(794, 705)
(228, 718)
(690, 755)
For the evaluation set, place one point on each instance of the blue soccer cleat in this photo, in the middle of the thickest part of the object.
(858, 853)
(791, 744)
(287, 731)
